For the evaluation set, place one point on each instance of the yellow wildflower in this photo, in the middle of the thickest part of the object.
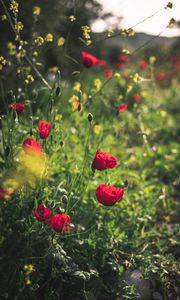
(21, 54)
(35, 53)
(58, 117)
(53, 69)
(117, 75)
(88, 42)
(72, 18)
(39, 41)
(129, 88)
(97, 129)
(137, 78)
(126, 51)
(60, 41)
(74, 98)
(152, 59)
(3, 17)
(19, 26)
(28, 282)
(97, 84)
(76, 86)
(12, 48)
(86, 31)
(29, 79)
(3, 62)
(31, 268)
(14, 6)
(49, 38)
(130, 32)
(163, 113)
(36, 10)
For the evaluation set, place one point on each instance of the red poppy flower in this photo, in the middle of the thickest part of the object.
(60, 222)
(18, 107)
(136, 97)
(123, 107)
(102, 63)
(108, 73)
(124, 58)
(118, 66)
(42, 213)
(89, 60)
(32, 147)
(44, 129)
(143, 64)
(160, 76)
(103, 160)
(177, 66)
(4, 194)
(108, 195)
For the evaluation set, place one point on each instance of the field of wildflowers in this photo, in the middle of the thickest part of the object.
(89, 157)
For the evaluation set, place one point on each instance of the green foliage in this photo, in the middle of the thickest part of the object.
(140, 233)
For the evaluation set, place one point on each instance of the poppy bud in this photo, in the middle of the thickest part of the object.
(64, 198)
(14, 115)
(126, 183)
(90, 117)
(76, 73)
(58, 91)
(79, 107)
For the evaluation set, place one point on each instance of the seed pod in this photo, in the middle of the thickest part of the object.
(79, 107)
(126, 183)
(64, 199)
(58, 91)
(90, 117)
(76, 73)
(14, 115)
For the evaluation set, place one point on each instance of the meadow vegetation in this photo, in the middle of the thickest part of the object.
(89, 157)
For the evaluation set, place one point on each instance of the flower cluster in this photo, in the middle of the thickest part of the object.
(106, 195)
(58, 222)
(28, 269)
